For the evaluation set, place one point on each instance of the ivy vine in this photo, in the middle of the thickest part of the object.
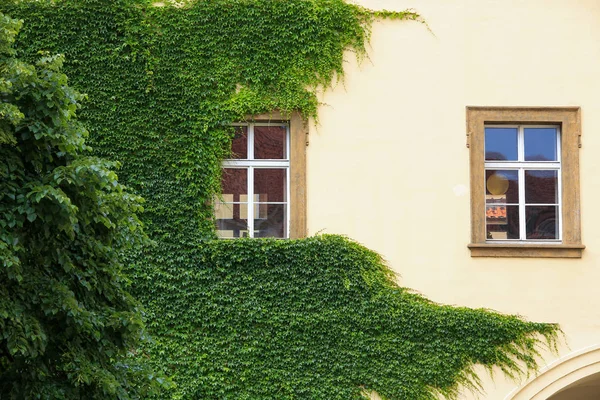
(318, 318)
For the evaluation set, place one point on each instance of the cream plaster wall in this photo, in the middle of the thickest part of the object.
(388, 165)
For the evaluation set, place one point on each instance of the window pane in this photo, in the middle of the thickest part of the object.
(501, 144)
(231, 220)
(501, 186)
(269, 142)
(540, 144)
(541, 187)
(239, 145)
(542, 222)
(270, 184)
(234, 182)
(272, 221)
(502, 222)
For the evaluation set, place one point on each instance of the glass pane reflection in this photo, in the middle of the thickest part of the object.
(231, 220)
(540, 144)
(269, 184)
(501, 186)
(501, 144)
(239, 144)
(272, 221)
(234, 181)
(269, 142)
(502, 222)
(541, 187)
(542, 222)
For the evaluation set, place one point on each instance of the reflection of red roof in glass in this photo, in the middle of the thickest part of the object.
(498, 212)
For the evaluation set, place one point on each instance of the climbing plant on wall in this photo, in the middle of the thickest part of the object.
(318, 318)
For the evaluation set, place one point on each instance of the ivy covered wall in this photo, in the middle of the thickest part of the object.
(318, 318)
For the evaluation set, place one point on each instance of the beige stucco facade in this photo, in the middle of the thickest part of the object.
(392, 141)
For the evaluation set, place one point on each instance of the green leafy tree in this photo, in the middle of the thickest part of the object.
(68, 326)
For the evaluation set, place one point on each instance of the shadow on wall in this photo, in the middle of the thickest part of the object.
(584, 389)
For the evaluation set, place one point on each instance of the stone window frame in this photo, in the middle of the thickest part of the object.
(569, 119)
(298, 142)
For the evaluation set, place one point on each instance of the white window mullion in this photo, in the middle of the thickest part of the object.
(559, 199)
(521, 158)
(250, 182)
(251, 201)
(522, 221)
(521, 144)
(559, 206)
(527, 164)
(251, 142)
(255, 163)
(288, 180)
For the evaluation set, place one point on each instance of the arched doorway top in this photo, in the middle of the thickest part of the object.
(559, 374)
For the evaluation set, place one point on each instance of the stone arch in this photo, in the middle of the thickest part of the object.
(560, 375)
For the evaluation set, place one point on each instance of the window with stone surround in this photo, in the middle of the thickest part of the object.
(524, 181)
(264, 181)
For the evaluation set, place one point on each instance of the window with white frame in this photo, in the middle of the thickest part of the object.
(255, 183)
(523, 183)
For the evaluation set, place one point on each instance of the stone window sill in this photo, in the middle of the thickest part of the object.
(527, 250)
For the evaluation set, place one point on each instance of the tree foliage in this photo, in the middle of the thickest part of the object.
(67, 322)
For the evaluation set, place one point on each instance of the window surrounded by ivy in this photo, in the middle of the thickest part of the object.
(255, 183)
